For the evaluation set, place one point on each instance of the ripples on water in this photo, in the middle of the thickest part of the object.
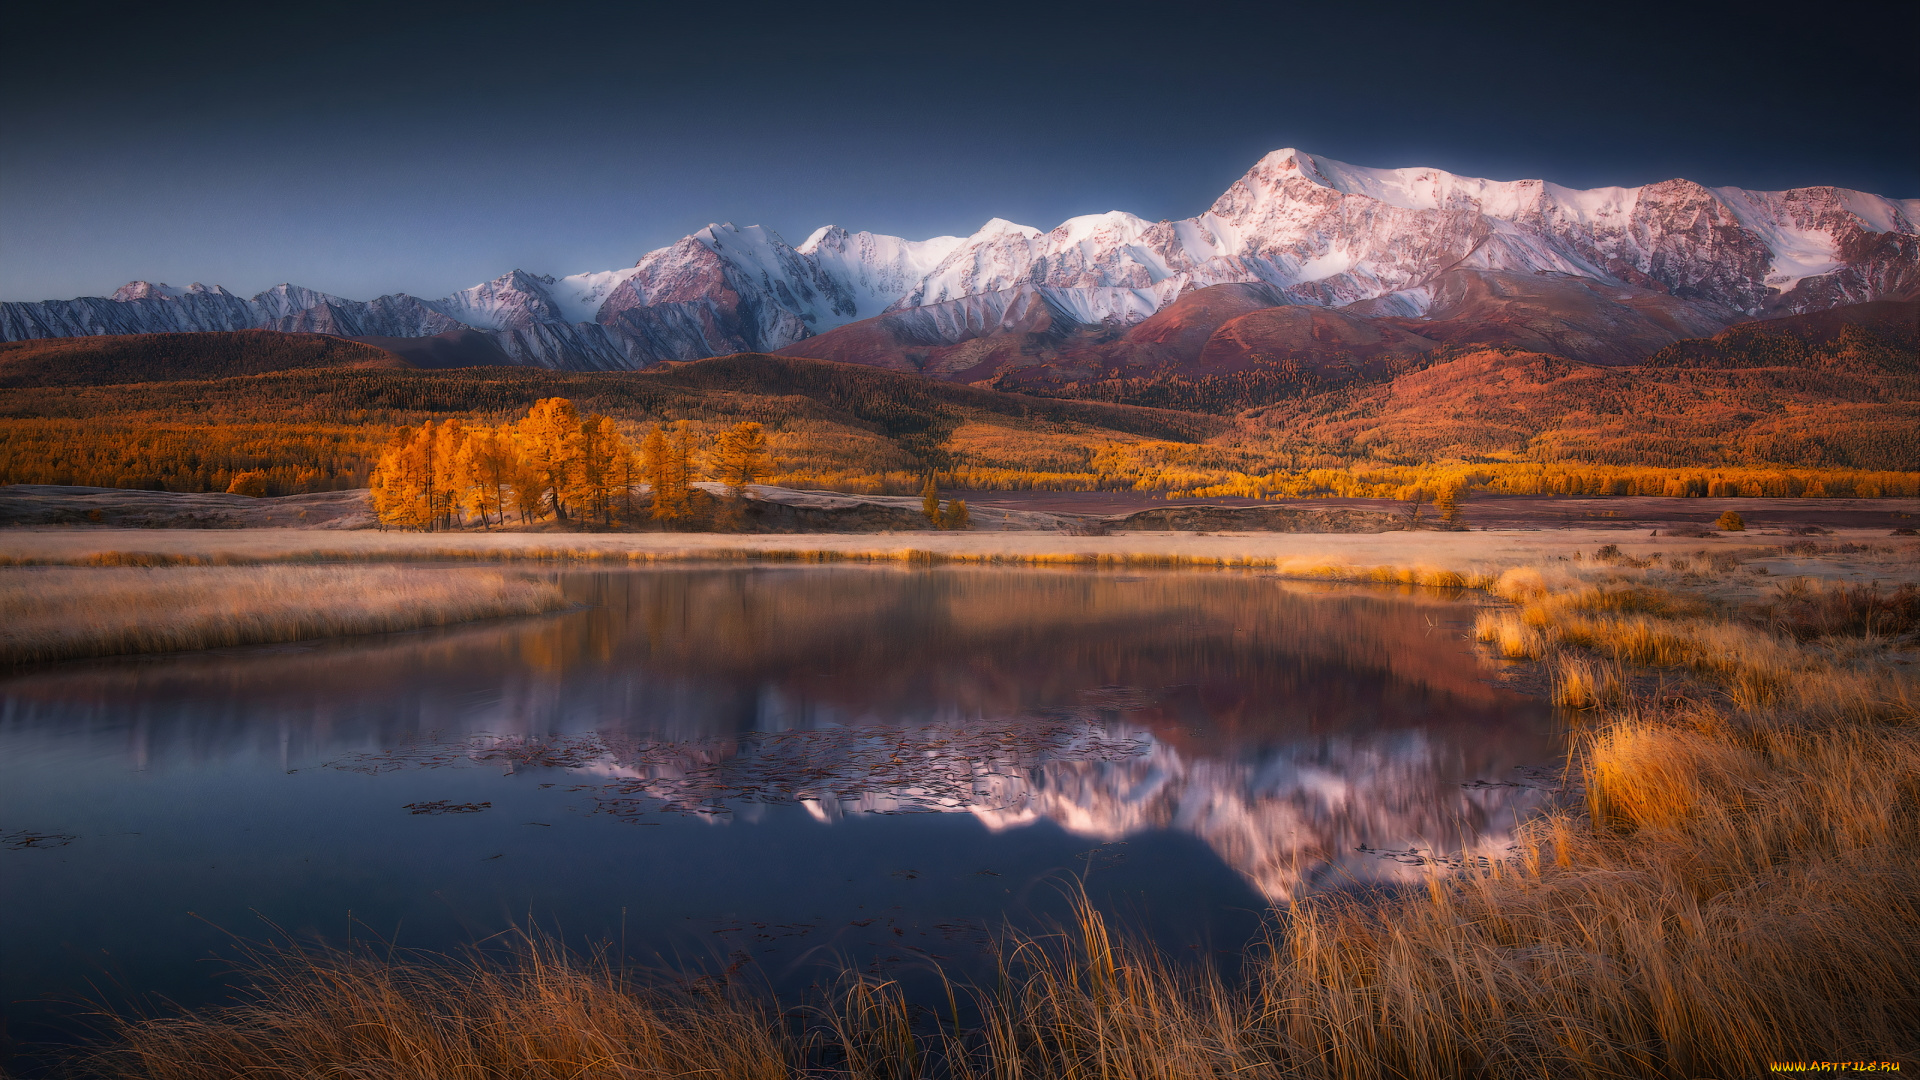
(782, 766)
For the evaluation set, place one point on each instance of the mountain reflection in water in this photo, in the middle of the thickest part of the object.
(1286, 725)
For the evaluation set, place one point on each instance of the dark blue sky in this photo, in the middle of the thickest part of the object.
(371, 148)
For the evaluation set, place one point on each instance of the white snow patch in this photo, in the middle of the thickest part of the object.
(1002, 227)
(1425, 188)
(1113, 223)
(1411, 303)
(1798, 252)
(1092, 306)
(580, 296)
(875, 269)
(1605, 206)
(1325, 265)
(1878, 214)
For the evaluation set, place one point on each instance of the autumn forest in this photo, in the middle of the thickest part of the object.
(1746, 414)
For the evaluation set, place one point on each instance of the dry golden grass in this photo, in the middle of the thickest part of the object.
(551, 1015)
(1739, 884)
(1587, 684)
(1733, 879)
(56, 613)
(1808, 609)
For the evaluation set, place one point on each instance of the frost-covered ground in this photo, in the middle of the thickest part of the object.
(1882, 558)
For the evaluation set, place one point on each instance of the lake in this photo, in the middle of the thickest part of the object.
(770, 772)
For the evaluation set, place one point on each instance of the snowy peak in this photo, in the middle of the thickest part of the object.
(873, 269)
(283, 300)
(1002, 227)
(580, 297)
(996, 257)
(1305, 229)
(507, 301)
(149, 290)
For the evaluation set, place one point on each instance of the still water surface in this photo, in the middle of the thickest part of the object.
(752, 766)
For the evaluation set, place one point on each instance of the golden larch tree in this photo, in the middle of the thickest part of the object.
(489, 466)
(740, 458)
(450, 478)
(549, 441)
(595, 473)
(668, 465)
(402, 480)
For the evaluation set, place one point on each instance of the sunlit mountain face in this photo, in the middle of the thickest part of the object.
(1418, 254)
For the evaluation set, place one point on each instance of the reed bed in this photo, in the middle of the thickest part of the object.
(338, 1013)
(1733, 880)
(60, 613)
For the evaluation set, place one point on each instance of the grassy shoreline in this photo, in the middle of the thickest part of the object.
(1735, 882)
(1476, 555)
(61, 613)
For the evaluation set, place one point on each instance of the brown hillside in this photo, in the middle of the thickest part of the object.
(138, 358)
(830, 424)
(1270, 347)
(1558, 314)
(1882, 336)
(1318, 339)
(1496, 404)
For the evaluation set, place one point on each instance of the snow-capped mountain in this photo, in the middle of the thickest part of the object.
(1305, 230)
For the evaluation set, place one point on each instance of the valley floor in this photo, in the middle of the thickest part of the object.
(992, 511)
(1845, 554)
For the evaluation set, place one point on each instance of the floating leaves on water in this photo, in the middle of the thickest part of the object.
(1532, 777)
(1414, 856)
(977, 765)
(434, 751)
(1118, 697)
(24, 839)
(442, 806)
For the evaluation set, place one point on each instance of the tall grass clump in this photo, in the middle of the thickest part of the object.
(60, 613)
(546, 1014)
(1806, 609)
(1587, 684)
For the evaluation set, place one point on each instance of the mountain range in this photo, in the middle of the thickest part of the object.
(1302, 261)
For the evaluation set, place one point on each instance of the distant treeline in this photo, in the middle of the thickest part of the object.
(832, 425)
(1880, 350)
(137, 358)
(1525, 478)
(1843, 418)
(174, 456)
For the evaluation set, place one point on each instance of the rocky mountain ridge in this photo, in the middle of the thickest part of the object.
(1408, 249)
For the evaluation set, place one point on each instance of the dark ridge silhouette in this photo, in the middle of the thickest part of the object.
(139, 358)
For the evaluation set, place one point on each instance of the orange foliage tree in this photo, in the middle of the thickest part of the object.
(441, 476)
